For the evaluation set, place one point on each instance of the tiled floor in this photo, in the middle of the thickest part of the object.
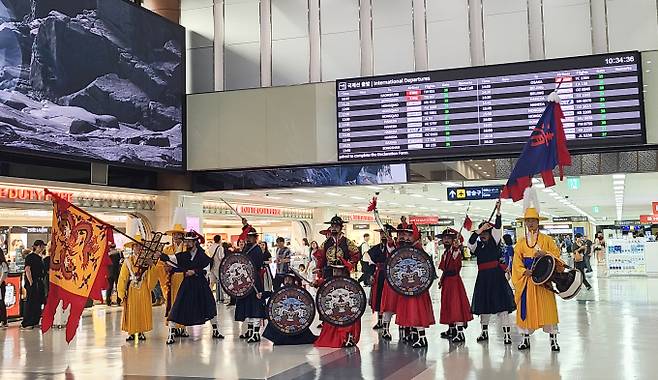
(607, 333)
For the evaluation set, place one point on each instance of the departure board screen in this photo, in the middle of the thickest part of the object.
(489, 109)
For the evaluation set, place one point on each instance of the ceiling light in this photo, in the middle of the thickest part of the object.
(299, 200)
(307, 191)
(618, 182)
(332, 194)
(433, 199)
(619, 187)
(618, 176)
(410, 206)
(416, 195)
(375, 187)
(272, 197)
(238, 193)
(424, 208)
(450, 184)
(357, 198)
(347, 206)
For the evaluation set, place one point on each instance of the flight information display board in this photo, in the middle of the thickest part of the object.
(475, 110)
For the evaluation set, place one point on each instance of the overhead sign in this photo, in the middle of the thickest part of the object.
(561, 219)
(423, 220)
(573, 183)
(654, 207)
(361, 218)
(648, 219)
(628, 222)
(474, 193)
(255, 210)
(17, 194)
(361, 226)
(445, 222)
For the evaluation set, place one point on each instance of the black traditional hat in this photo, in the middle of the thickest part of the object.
(336, 221)
(405, 227)
(449, 232)
(387, 228)
(483, 223)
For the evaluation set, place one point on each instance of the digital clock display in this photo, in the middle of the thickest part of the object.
(489, 109)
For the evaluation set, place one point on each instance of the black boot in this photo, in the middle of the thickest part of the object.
(130, 338)
(215, 333)
(249, 333)
(525, 344)
(413, 335)
(178, 332)
(184, 333)
(407, 335)
(420, 340)
(349, 342)
(507, 336)
(554, 346)
(386, 334)
(141, 336)
(450, 333)
(459, 338)
(484, 336)
(171, 338)
(255, 337)
(379, 324)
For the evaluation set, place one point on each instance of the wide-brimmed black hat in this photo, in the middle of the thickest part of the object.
(448, 232)
(336, 221)
(483, 223)
(387, 228)
(405, 228)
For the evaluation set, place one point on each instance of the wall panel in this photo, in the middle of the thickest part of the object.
(448, 40)
(393, 40)
(567, 28)
(340, 41)
(632, 25)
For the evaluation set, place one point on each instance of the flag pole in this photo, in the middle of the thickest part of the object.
(55, 196)
(467, 210)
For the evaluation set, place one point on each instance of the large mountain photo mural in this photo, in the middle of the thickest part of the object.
(101, 80)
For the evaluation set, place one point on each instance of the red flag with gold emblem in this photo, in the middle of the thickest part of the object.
(78, 262)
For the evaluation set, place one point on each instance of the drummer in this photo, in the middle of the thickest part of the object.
(337, 258)
(251, 309)
(290, 280)
(535, 304)
(413, 313)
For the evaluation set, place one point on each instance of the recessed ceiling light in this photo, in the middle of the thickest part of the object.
(272, 197)
(424, 208)
(357, 198)
(618, 176)
(347, 206)
(375, 187)
(238, 193)
(299, 200)
(450, 184)
(393, 204)
(410, 206)
(416, 195)
(332, 194)
(618, 182)
(307, 191)
(619, 187)
(433, 199)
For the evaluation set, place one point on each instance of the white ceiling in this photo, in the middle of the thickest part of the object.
(639, 190)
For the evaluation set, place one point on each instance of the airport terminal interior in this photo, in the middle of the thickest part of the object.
(328, 189)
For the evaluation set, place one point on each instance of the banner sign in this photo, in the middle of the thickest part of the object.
(648, 219)
(423, 220)
(562, 219)
(18, 194)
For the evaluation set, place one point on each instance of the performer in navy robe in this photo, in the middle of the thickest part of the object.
(194, 304)
(251, 309)
(379, 255)
(280, 339)
(492, 294)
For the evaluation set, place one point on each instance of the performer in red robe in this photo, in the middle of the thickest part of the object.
(455, 308)
(414, 313)
(337, 257)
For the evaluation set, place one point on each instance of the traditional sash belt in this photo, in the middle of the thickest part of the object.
(491, 265)
(527, 263)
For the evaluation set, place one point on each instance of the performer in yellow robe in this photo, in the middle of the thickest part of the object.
(170, 281)
(135, 292)
(535, 305)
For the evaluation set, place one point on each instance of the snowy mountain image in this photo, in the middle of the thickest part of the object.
(91, 79)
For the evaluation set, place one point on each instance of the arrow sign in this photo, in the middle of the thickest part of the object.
(452, 194)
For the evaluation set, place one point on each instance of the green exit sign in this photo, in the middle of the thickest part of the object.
(596, 209)
(573, 183)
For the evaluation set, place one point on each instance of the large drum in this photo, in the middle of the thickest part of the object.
(237, 275)
(341, 301)
(409, 271)
(556, 276)
(291, 310)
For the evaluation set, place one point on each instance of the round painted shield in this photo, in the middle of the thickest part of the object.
(237, 275)
(409, 271)
(341, 301)
(291, 310)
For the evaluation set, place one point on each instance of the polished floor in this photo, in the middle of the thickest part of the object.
(607, 333)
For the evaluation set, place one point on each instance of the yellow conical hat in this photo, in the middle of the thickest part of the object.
(130, 244)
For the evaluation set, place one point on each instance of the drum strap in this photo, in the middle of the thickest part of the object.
(527, 263)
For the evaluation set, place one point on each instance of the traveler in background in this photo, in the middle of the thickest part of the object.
(588, 254)
(216, 251)
(283, 257)
(430, 246)
(45, 256)
(34, 275)
(366, 261)
(599, 248)
(579, 258)
(113, 274)
(4, 273)
(568, 245)
(306, 249)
